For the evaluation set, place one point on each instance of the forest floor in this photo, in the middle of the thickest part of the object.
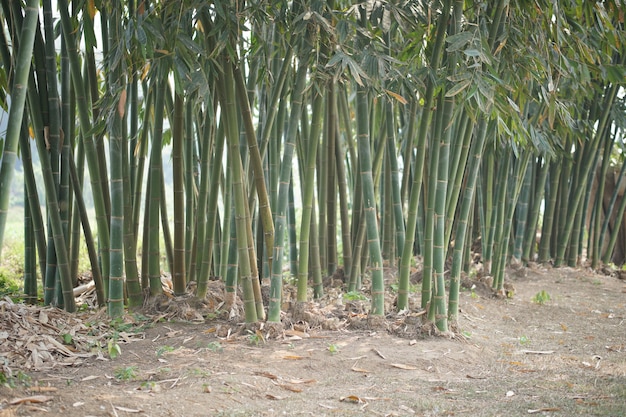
(523, 355)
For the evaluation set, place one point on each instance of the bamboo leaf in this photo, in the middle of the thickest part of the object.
(397, 97)
(356, 72)
(121, 104)
(458, 88)
(458, 41)
(89, 34)
(403, 366)
(91, 8)
(337, 58)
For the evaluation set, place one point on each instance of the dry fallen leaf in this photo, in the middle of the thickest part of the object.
(127, 410)
(289, 388)
(352, 399)
(273, 397)
(541, 410)
(37, 399)
(301, 381)
(355, 369)
(402, 366)
(37, 388)
(266, 375)
(296, 333)
(538, 352)
(379, 354)
(293, 357)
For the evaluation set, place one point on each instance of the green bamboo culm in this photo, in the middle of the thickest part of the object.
(56, 226)
(369, 203)
(178, 273)
(228, 101)
(91, 152)
(307, 197)
(420, 143)
(152, 247)
(280, 217)
(116, 86)
(16, 112)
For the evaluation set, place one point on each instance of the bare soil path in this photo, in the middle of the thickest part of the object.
(514, 357)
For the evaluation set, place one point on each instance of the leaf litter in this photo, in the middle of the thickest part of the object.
(414, 374)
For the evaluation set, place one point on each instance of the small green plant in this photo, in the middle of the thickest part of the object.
(12, 381)
(9, 287)
(67, 339)
(466, 334)
(126, 374)
(119, 325)
(541, 297)
(200, 373)
(333, 348)
(524, 340)
(163, 350)
(215, 347)
(354, 296)
(255, 338)
(148, 385)
(210, 316)
(113, 348)
(23, 378)
(473, 294)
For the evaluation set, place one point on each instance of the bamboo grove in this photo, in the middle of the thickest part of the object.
(308, 137)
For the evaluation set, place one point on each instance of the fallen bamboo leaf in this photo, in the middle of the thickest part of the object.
(402, 366)
(538, 352)
(355, 369)
(541, 410)
(273, 397)
(289, 388)
(266, 375)
(379, 354)
(475, 377)
(293, 357)
(296, 333)
(260, 336)
(37, 388)
(356, 358)
(36, 399)
(301, 381)
(352, 399)
(127, 410)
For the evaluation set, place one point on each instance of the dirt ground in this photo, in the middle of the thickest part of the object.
(562, 356)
